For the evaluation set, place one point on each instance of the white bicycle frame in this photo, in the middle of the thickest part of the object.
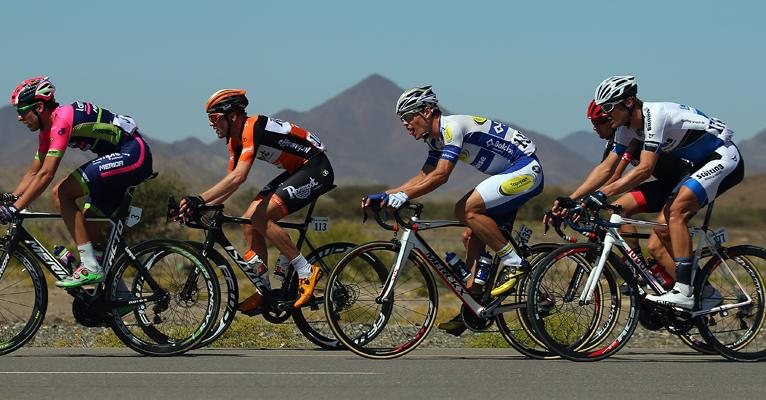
(704, 238)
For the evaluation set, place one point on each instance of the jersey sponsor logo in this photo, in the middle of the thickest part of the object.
(708, 172)
(447, 134)
(301, 192)
(480, 162)
(479, 120)
(287, 144)
(648, 120)
(108, 166)
(463, 155)
(517, 185)
(500, 145)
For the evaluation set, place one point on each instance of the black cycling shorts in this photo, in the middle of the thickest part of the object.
(294, 190)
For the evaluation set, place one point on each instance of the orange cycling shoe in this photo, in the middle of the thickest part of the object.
(252, 304)
(306, 286)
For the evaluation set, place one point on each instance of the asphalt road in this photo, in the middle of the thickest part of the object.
(105, 374)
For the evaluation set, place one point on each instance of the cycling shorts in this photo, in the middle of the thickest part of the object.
(294, 190)
(505, 192)
(651, 196)
(105, 180)
(723, 170)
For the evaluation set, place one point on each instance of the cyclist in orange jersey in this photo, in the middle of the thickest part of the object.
(308, 175)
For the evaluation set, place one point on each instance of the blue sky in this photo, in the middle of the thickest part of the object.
(533, 63)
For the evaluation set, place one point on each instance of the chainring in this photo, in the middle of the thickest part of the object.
(87, 313)
(474, 323)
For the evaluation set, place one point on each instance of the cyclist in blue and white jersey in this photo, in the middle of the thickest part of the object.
(491, 147)
(681, 131)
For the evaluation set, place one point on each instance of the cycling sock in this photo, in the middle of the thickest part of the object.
(87, 256)
(302, 267)
(508, 255)
(683, 270)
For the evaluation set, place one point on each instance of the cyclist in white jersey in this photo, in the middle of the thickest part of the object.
(686, 133)
(491, 147)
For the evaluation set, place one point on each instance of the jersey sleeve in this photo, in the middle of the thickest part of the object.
(249, 132)
(622, 138)
(654, 129)
(61, 130)
(453, 142)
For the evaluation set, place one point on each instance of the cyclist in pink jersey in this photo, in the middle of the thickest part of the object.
(124, 160)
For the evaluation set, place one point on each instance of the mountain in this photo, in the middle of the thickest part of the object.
(586, 144)
(754, 153)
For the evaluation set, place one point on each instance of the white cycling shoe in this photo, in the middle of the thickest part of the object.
(673, 298)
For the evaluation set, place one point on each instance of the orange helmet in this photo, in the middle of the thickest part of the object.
(226, 100)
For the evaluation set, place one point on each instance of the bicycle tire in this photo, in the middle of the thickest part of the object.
(551, 311)
(737, 333)
(514, 326)
(364, 325)
(23, 298)
(191, 290)
(229, 289)
(310, 319)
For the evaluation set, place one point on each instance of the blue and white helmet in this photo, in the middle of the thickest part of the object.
(415, 99)
(615, 88)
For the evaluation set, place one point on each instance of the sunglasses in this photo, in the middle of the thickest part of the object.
(600, 121)
(214, 117)
(408, 117)
(608, 107)
(23, 110)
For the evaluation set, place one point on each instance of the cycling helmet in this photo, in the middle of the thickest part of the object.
(615, 88)
(33, 90)
(595, 111)
(226, 100)
(415, 99)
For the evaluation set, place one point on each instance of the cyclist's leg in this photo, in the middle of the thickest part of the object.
(722, 171)
(297, 190)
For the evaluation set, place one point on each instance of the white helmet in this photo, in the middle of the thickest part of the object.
(415, 99)
(615, 88)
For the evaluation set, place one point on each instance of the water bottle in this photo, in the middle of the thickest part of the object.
(659, 273)
(482, 269)
(65, 257)
(458, 266)
(254, 263)
(280, 268)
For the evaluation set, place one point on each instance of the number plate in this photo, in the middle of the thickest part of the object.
(320, 224)
(719, 236)
(523, 234)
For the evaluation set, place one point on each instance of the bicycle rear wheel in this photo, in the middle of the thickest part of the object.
(23, 298)
(367, 326)
(736, 333)
(175, 318)
(581, 332)
(310, 319)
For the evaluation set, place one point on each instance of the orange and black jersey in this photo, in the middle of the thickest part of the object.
(281, 143)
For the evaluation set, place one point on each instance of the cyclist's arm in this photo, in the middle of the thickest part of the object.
(427, 180)
(635, 176)
(37, 180)
(598, 176)
(229, 184)
(618, 171)
(28, 176)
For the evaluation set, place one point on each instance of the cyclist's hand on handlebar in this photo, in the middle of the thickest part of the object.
(396, 200)
(595, 200)
(7, 214)
(188, 205)
(8, 198)
(560, 208)
(375, 200)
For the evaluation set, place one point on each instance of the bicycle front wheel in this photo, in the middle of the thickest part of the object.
(310, 319)
(514, 325)
(23, 298)
(737, 331)
(581, 331)
(172, 318)
(369, 326)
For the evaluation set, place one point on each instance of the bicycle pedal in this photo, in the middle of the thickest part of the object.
(254, 311)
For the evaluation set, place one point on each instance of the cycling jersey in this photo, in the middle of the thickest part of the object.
(87, 127)
(687, 133)
(281, 143)
(680, 130)
(491, 147)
